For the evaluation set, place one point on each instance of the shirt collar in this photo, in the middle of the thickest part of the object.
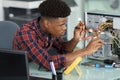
(43, 36)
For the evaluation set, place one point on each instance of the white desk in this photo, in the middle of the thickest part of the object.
(88, 73)
(33, 69)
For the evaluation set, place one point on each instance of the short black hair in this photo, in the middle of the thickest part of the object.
(54, 9)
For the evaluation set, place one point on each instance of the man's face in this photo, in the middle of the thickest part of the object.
(57, 27)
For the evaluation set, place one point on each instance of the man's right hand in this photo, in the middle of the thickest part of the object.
(94, 45)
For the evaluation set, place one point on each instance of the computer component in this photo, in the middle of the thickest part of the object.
(107, 28)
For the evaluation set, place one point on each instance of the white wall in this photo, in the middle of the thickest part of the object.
(80, 4)
(76, 12)
(1, 11)
(103, 5)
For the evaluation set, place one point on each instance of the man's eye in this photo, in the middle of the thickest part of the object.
(63, 24)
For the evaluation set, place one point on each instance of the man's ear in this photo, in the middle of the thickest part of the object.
(46, 23)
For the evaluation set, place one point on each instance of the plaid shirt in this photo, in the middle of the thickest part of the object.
(32, 39)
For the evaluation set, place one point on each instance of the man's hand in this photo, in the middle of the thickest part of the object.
(79, 31)
(94, 45)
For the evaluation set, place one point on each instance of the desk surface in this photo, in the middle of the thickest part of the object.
(88, 73)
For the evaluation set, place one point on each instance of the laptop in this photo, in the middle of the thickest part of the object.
(14, 66)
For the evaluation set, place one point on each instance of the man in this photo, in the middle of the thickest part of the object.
(38, 36)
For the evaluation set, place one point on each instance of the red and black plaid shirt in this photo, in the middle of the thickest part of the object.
(32, 39)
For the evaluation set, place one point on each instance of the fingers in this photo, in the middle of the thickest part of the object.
(98, 40)
(97, 43)
(80, 26)
(94, 45)
(89, 37)
(86, 38)
(79, 31)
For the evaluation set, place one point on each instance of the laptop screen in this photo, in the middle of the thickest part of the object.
(13, 65)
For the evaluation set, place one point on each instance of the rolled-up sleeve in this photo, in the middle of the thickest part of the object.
(59, 45)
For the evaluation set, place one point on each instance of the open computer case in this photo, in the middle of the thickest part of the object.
(109, 24)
